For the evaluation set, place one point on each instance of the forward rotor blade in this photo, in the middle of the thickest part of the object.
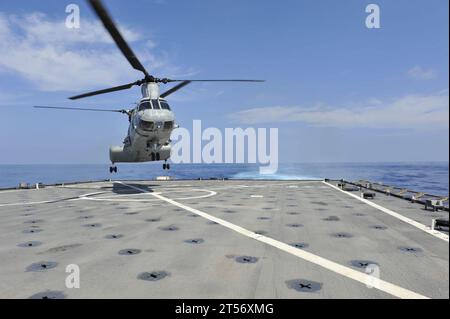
(113, 89)
(79, 109)
(175, 88)
(109, 24)
(256, 81)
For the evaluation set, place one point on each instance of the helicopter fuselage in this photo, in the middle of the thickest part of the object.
(148, 138)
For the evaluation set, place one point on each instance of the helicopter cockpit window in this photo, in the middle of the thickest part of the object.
(145, 106)
(155, 105)
(146, 126)
(168, 125)
(164, 105)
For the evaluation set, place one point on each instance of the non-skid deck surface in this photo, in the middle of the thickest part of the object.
(215, 239)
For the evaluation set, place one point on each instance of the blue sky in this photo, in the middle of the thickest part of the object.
(337, 91)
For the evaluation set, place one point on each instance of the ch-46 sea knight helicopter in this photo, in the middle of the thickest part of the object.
(152, 120)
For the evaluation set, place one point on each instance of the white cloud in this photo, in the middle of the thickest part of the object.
(37, 25)
(420, 73)
(408, 112)
(55, 58)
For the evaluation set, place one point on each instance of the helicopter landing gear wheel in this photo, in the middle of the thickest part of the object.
(166, 166)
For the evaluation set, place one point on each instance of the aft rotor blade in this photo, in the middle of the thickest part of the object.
(175, 88)
(113, 89)
(110, 26)
(78, 109)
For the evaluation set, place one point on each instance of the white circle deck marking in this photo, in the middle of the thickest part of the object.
(110, 198)
(114, 198)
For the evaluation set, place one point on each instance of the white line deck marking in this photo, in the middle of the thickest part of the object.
(51, 201)
(320, 261)
(27, 203)
(395, 214)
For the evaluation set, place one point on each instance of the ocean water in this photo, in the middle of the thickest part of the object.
(432, 178)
